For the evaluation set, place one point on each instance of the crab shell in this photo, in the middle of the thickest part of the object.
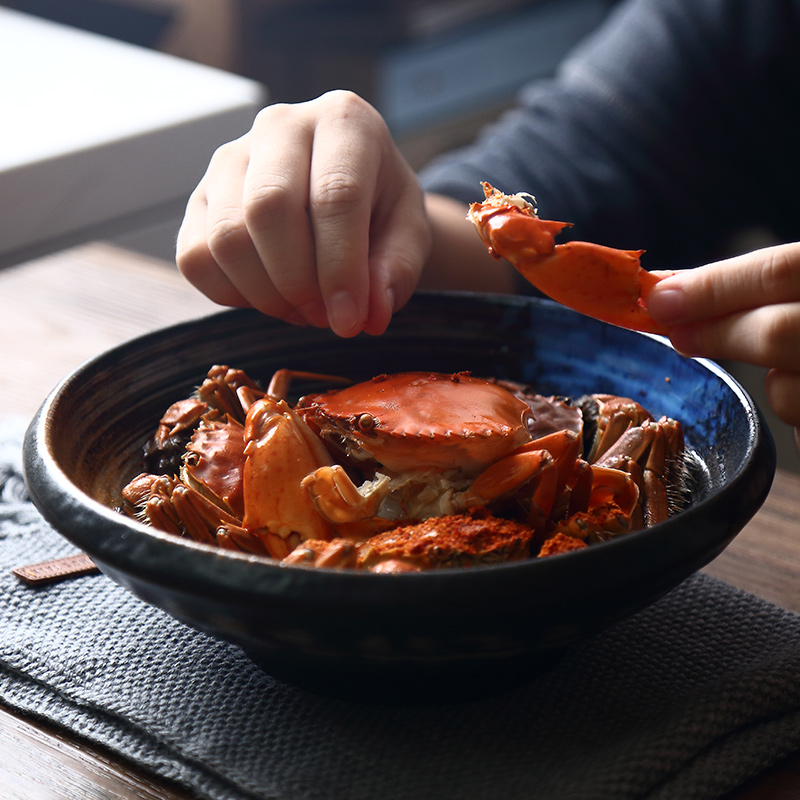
(421, 421)
(214, 464)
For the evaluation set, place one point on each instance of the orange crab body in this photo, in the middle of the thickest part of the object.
(422, 420)
(599, 281)
(425, 441)
(214, 462)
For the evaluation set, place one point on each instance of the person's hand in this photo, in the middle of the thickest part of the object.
(313, 217)
(745, 309)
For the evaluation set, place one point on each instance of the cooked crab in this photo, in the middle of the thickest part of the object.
(335, 473)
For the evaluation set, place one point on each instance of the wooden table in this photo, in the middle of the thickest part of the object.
(63, 309)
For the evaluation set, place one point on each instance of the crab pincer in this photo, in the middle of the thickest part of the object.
(601, 282)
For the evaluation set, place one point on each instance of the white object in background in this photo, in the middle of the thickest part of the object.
(99, 137)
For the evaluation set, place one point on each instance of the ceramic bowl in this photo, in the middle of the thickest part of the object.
(299, 622)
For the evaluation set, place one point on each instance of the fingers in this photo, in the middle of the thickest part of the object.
(274, 209)
(783, 390)
(368, 219)
(762, 277)
(307, 209)
(195, 261)
(745, 308)
(343, 187)
(293, 218)
(193, 256)
(215, 250)
(246, 232)
(400, 243)
(766, 336)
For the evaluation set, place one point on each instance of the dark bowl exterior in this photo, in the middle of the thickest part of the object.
(85, 443)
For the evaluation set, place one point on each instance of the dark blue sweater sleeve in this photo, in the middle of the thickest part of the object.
(670, 128)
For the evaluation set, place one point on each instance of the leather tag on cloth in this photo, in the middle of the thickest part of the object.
(56, 569)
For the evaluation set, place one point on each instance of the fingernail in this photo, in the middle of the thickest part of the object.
(666, 306)
(344, 315)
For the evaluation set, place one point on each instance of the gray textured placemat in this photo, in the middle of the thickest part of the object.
(685, 700)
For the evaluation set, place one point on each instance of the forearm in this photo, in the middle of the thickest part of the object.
(459, 260)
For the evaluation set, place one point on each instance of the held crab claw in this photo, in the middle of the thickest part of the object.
(602, 282)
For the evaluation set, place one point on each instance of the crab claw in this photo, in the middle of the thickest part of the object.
(338, 499)
(602, 282)
(549, 460)
(280, 452)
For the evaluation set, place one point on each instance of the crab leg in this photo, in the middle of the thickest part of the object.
(338, 499)
(613, 486)
(511, 472)
(657, 474)
(599, 281)
(281, 380)
(550, 460)
(648, 451)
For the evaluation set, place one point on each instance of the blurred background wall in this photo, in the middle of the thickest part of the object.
(436, 69)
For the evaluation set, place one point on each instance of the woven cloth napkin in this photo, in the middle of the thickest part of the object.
(686, 699)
